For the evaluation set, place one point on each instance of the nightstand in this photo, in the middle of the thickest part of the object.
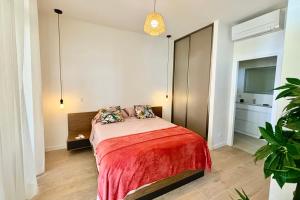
(74, 144)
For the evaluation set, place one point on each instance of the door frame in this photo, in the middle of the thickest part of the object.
(233, 91)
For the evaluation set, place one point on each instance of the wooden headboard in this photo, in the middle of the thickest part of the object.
(81, 122)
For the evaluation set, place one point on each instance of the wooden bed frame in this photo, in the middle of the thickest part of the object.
(81, 122)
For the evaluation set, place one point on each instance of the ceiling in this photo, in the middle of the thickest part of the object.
(181, 16)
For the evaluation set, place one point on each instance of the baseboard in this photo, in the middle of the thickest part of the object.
(248, 134)
(56, 147)
(216, 146)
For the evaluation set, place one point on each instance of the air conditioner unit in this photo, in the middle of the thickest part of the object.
(266, 23)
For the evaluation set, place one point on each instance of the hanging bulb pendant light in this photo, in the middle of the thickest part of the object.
(61, 101)
(154, 23)
(168, 60)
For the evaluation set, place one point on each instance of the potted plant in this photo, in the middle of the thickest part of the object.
(282, 151)
(243, 195)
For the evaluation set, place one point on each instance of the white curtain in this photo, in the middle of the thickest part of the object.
(17, 163)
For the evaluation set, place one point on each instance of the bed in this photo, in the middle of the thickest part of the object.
(145, 158)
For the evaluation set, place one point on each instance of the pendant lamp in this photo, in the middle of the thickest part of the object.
(168, 60)
(61, 101)
(154, 23)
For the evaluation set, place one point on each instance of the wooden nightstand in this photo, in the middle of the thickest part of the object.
(79, 123)
(74, 144)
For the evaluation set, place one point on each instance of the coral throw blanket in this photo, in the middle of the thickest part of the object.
(128, 162)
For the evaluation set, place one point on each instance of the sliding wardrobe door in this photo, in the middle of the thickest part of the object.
(181, 62)
(198, 80)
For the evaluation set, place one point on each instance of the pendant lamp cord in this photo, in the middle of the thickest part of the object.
(168, 60)
(154, 5)
(59, 55)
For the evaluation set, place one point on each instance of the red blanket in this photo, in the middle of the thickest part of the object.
(128, 162)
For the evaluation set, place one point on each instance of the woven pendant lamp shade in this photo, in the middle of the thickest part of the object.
(154, 24)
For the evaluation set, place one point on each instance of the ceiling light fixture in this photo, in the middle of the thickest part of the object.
(61, 101)
(154, 23)
(167, 92)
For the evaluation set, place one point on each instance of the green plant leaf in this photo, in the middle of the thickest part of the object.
(279, 179)
(294, 150)
(269, 127)
(294, 81)
(271, 164)
(296, 100)
(296, 136)
(288, 161)
(288, 175)
(286, 86)
(296, 92)
(264, 151)
(284, 93)
(242, 195)
(294, 169)
(293, 125)
(291, 106)
(279, 135)
(267, 135)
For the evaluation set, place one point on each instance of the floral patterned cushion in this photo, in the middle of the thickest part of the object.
(110, 115)
(143, 111)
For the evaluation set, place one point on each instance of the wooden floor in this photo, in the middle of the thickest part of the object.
(73, 176)
(247, 143)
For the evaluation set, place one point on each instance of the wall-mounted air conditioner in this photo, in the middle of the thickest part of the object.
(266, 23)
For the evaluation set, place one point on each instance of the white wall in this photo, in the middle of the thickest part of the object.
(257, 47)
(220, 85)
(290, 68)
(101, 67)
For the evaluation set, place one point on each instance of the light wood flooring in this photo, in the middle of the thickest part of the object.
(247, 143)
(73, 176)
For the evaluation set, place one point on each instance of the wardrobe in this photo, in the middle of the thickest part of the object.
(191, 80)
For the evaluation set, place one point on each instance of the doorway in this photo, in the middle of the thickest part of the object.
(253, 102)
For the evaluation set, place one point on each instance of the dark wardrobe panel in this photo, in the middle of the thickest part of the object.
(192, 61)
(181, 60)
(198, 81)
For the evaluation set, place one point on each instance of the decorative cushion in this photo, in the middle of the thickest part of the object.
(124, 113)
(110, 115)
(130, 111)
(96, 117)
(143, 111)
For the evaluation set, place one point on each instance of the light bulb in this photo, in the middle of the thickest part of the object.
(61, 104)
(154, 23)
